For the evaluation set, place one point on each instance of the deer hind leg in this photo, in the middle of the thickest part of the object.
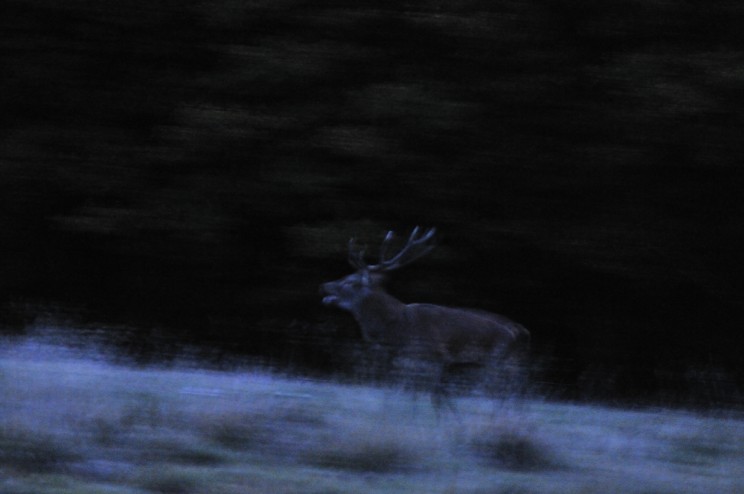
(505, 383)
(441, 397)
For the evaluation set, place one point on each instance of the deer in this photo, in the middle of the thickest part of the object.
(447, 338)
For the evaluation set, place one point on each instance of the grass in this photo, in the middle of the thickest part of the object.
(71, 422)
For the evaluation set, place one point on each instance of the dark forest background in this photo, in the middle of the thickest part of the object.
(188, 172)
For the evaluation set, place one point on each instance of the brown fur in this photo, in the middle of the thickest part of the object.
(445, 336)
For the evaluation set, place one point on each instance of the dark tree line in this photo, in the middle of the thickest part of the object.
(193, 170)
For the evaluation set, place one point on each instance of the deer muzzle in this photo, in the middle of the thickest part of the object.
(329, 292)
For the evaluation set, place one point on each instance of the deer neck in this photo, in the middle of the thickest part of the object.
(377, 314)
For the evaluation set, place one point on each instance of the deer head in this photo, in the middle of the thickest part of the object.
(348, 292)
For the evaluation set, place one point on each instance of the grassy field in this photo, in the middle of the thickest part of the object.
(76, 423)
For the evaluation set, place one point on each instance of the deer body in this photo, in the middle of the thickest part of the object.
(445, 336)
(450, 335)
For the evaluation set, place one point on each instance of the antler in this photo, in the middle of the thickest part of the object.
(416, 247)
(356, 257)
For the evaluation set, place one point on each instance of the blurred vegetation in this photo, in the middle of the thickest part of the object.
(78, 424)
(194, 169)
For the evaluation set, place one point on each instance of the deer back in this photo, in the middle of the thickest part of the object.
(461, 335)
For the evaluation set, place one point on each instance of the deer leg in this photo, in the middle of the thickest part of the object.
(440, 396)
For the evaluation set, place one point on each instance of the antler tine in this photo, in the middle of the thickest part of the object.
(356, 257)
(386, 246)
(417, 246)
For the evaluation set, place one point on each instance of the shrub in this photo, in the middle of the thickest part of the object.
(362, 452)
(170, 481)
(29, 451)
(513, 451)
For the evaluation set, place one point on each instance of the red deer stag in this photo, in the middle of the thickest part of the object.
(447, 338)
